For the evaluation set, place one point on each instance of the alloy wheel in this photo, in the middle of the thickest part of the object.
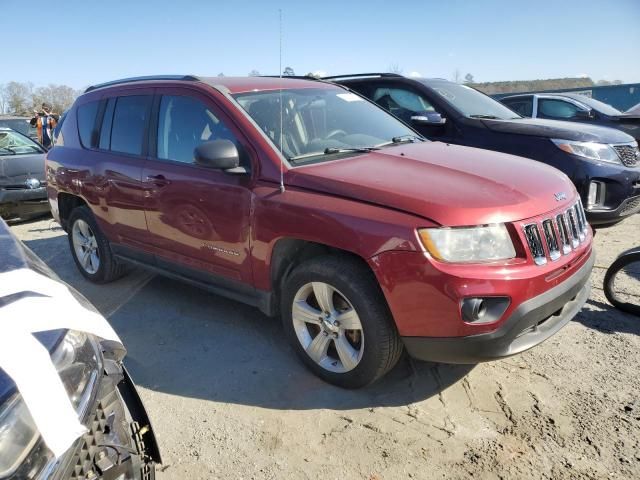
(86, 246)
(328, 327)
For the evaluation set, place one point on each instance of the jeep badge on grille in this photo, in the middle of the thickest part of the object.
(560, 196)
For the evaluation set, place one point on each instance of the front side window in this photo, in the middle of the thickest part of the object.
(183, 124)
(522, 106)
(469, 101)
(401, 102)
(130, 119)
(320, 122)
(14, 143)
(552, 108)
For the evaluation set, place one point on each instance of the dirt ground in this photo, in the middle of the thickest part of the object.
(229, 400)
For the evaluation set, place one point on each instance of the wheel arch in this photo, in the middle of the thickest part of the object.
(289, 252)
(67, 202)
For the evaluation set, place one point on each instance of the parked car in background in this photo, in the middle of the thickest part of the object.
(313, 203)
(633, 111)
(573, 107)
(23, 191)
(119, 443)
(19, 124)
(603, 163)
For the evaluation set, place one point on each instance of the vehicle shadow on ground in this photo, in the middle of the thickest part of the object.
(188, 342)
(607, 319)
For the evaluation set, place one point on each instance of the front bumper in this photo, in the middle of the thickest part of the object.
(604, 217)
(530, 324)
(23, 203)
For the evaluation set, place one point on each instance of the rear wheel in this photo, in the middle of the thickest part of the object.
(90, 248)
(337, 320)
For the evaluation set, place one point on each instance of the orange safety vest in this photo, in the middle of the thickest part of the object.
(51, 124)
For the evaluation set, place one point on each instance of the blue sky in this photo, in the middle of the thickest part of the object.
(82, 42)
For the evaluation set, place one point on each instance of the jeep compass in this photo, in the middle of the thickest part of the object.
(312, 203)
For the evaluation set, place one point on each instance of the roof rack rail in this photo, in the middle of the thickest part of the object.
(298, 77)
(356, 75)
(186, 78)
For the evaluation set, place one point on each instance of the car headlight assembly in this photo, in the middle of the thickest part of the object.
(485, 243)
(78, 360)
(600, 152)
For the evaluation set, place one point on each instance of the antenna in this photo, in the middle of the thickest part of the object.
(281, 106)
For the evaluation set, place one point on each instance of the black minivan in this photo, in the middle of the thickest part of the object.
(603, 163)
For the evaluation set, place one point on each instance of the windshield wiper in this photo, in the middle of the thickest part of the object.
(332, 150)
(406, 138)
(409, 138)
(8, 149)
(488, 117)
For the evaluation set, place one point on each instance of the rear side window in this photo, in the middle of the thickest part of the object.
(107, 122)
(130, 118)
(87, 123)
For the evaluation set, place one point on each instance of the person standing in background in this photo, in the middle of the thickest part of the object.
(45, 122)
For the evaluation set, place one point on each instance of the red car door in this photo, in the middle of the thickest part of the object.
(197, 217)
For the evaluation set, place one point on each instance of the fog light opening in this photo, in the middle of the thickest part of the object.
(483, 309)
(596, 194)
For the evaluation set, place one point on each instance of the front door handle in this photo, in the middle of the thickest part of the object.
(158, 180)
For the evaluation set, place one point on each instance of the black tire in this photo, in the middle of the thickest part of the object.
(609, 279)
(382, 346)
(109, 269)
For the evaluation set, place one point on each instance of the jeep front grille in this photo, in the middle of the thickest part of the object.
(553, 237)
(629, 154)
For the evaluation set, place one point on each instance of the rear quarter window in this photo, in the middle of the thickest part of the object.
(87, 114)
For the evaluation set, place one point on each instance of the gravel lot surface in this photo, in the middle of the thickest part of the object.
(229, 399)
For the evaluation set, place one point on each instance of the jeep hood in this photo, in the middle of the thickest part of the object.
(15, 169)
(577, 131)
(450, 185)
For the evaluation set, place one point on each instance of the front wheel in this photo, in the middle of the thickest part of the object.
(337, 320)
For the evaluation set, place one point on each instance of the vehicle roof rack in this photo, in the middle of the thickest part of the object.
(186, 78)
(357, 75)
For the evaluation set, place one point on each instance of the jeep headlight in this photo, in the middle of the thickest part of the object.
(79, 362)
(468, 244)
(600, 152)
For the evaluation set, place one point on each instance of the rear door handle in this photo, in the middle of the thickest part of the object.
(158, 180)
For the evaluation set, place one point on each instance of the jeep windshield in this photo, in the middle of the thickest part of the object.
(319, 124)
(470, 102)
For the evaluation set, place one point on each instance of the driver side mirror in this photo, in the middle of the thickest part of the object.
(220, 155)
(428, 118)
(585, 114)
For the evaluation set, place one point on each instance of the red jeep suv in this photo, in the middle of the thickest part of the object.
(310, 202)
